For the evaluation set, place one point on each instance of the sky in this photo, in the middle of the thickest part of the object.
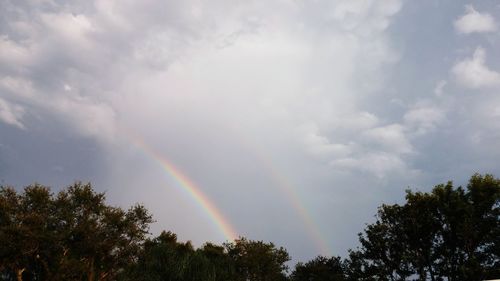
(284, 120)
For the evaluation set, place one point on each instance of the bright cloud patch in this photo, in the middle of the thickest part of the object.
(473, 21)
(423, 119)
(474, 73)
(11, 114)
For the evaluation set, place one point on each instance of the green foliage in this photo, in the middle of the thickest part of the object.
(28, 226)
(164, 258)
(258, 261)
(447, 234)
(319, 269)
(71, 236)
(450, 233)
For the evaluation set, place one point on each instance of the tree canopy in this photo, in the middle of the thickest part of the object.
(449, 233)
(73, 235)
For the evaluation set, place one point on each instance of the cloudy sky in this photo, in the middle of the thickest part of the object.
(295, 118)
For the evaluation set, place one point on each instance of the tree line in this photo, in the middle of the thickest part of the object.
(450, 233)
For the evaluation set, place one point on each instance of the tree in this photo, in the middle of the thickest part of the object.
(468, 239)
(27, 223)
(71, 236)
(222, 266)
(356, 267)
(421, 233)
(319, 269)
(447, 234)
(384, 245)
(258, 261)
(163, 258)
(450, 233)
(103, 238)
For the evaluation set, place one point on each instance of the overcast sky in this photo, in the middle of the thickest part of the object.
(336, 106)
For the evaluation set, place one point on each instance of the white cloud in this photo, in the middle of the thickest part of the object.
(191, 77)
(355, 121)
(438, 90)
(13, 56)
(379, 164)
(391, 138)
(320, 145)
(496, 112)
(17, 87)
(86, 117)
(83, 115)
(473, 21)
(474, 73)
(11, 114)
(124, 62)
(73, 29)
(421, 119)
(365, 16)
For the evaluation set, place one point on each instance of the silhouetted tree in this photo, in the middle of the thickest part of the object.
(258, 261)
(319, 269)
(222, 266)
(447, 234)
(164, 258)
(71, 236)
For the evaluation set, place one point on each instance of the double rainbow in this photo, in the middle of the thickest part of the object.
(218, 219)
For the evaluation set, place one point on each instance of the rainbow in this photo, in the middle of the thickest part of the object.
(304, 215)
(214, 214)
(190, 188)
(289, 191)
(294, 199)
